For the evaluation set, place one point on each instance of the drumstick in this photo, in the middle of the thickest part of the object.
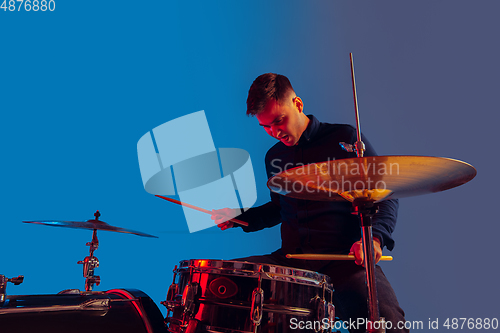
(330, 257)
(199, 209)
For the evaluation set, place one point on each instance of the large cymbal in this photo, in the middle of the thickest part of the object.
(90, 224)
(373, 178)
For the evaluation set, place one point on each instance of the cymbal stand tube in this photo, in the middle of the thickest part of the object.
(359, 145)
(373, 310)
(94, 244)
(366, 212)
(90, 263)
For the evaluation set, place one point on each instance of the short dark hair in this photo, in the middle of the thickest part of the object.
(265, 87)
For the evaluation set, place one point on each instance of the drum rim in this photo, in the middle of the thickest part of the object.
(276, 273)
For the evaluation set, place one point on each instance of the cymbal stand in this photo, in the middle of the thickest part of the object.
(359, 146)
(90, 263)
(365, 210)
(3, 285)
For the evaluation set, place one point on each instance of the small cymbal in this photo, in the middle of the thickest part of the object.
(90, 224)
(373, 178)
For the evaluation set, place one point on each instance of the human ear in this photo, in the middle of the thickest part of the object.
(297, 101)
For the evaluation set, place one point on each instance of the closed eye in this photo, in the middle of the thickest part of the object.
(275, 122)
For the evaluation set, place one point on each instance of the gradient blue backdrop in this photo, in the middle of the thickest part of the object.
(79, 86)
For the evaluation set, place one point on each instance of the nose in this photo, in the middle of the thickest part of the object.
(275, 131)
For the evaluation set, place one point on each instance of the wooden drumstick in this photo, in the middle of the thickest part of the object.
(199, 209)
(330, 257)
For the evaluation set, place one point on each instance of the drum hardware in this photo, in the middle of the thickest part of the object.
(347, 147)
(69, 292)
(189, 291)
(321, 311)
(330, 310)
(366, 210)
(359, 146)
(90, 263)
(223, 287)
(188, 303)
(188, 297)
(170, 302)
(257, 305)
(3, 285)
(173, 290)
(257, 302)
(78, 292)
(322, 306)
(192, 326)
(323, 285)
(99, 307)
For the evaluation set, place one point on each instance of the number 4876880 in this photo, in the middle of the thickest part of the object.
(28, 5)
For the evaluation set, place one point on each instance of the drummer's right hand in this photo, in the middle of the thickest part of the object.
(221, 217)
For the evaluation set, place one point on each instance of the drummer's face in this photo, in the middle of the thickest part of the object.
(283, 121)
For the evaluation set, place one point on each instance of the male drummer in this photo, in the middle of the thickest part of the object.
(315, 226)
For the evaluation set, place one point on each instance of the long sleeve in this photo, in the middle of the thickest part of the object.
(265, 216)
(384, 222)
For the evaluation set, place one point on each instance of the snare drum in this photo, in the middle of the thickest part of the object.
(234, 296)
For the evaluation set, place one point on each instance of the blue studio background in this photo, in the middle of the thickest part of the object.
(79, 86)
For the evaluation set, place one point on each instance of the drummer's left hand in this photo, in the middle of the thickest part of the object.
(357, 250)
